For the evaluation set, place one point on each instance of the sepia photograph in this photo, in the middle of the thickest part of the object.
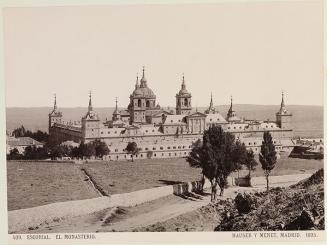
(183, 117)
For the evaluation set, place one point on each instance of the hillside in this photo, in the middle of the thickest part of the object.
(307, 120)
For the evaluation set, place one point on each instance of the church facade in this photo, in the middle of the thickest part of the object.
(161, 133)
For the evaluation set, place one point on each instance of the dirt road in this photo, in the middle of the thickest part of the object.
(127, 219)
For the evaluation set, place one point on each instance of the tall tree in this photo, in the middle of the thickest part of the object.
(88, 150)
(101, 148)
(239, 156)
(19, 132)
(267, 156)
(250, 161)
(132, 149)
(214, 155)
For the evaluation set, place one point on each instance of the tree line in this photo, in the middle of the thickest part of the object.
(94, 148)
(38, 135)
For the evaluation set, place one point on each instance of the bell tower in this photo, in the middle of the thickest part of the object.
(183, 100)
(55, 116)
(90, 123)
(284, 117)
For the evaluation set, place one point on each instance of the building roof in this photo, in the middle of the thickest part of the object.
(70, 143)
(215, 118)
(174, 119)
(23, 141)
(197, 114)
(159, 113)
(234, 119)
(124, 113)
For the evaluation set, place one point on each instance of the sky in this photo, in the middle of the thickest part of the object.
(252, 51)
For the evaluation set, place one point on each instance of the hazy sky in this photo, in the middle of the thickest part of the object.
(252, 51)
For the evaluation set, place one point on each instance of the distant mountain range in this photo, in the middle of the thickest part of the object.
(307, 120)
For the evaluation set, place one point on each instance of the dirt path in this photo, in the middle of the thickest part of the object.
(127, 219)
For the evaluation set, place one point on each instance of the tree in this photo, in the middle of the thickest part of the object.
(214, 155)
(250, 162)
(132, 149)
(267, 156)
(239, 156)
(59, 151)
(19, 132)
(101, 148)
(38, 135)
(87, 150)
(14, 155)
(76, 152)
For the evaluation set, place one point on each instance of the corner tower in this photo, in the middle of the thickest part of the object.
(55, 116)
(183, 100)
(283, 117)
(90, 123)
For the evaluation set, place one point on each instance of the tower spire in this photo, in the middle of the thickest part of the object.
(137, 81)
(282, 104)
(183, 82)
(231, 102)
(116, 104)
(55, 102)
(143, 79)
(90, 101)
(211, 102)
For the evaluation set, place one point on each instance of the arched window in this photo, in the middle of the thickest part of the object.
(185, 102)
(147, 103)
(139, 103)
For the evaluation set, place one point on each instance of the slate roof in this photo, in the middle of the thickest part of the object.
(23, 141)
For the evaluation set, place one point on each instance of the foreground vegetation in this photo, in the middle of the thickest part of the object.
(298, 207)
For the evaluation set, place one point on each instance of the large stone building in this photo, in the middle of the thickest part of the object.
(162, 134)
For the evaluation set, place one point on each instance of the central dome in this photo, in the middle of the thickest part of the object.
(144, 92)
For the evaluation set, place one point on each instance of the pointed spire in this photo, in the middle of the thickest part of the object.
(183, 82)
(116, 104)
(231, 104)
(282, 109)
(211, 102)
(55, 102)
(137, 81)
(282, 104)
(143, 79)
(90, 101)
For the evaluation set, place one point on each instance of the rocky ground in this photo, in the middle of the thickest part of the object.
(298, 207)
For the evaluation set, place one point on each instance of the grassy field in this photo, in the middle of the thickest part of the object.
(37, 183)
(286, 166)
(33, 184)
(120, 177)
(127, 176)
